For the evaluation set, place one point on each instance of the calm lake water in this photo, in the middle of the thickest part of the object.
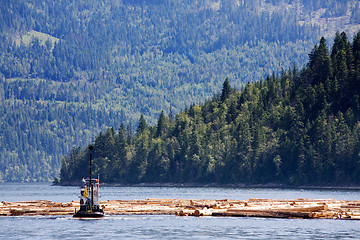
(171, 227)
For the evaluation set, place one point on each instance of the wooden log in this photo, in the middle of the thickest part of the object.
(280, 208)
(302, 209)
(16, 212)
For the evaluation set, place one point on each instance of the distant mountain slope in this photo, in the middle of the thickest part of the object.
(69, 68)
(300, 128)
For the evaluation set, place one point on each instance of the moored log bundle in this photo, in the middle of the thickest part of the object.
(273, 208)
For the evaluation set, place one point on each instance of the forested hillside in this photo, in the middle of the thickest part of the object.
(301, 127)
(71, 68)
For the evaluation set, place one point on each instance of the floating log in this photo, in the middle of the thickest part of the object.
(274, 208)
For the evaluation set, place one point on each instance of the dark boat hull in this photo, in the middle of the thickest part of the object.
(91, 214)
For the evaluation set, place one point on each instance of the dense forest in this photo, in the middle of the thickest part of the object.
(69, 69)
(301, 127)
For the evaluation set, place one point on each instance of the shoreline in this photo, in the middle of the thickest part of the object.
(216, 185)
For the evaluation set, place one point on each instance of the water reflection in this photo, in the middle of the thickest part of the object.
(44, 191)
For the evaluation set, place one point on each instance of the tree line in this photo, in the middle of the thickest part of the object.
(300, 127)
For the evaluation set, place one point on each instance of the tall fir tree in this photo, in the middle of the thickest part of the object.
(320, 63)
(226, 90)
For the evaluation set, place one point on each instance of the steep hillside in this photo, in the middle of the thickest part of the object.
(302, 128)
(69, 68)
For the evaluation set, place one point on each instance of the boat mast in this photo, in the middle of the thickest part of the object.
(91, 185)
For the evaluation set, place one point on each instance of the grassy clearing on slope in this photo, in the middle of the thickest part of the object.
(27, 37)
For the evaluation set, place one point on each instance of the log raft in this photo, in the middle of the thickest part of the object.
(270, 208)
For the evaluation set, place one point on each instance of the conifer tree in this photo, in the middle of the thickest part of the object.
(161, 125)
(226, 90)
(142, 125)
(356, 54)
(118, 164)
(320, 63)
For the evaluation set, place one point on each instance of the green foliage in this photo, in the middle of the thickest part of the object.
(320, 63)
(287, 129)
(71, 68)
(226, 90)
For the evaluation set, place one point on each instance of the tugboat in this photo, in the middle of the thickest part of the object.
(90, 197)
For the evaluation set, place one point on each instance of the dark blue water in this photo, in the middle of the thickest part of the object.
(171, 227)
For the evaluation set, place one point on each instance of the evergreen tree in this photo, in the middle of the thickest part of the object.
(320, 63)
(356, 53)
(142, 125)
(226, 90)
(119, 162)
(161, 125)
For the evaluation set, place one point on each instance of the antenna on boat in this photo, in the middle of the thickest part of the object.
(90, 148)
(91, 184)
